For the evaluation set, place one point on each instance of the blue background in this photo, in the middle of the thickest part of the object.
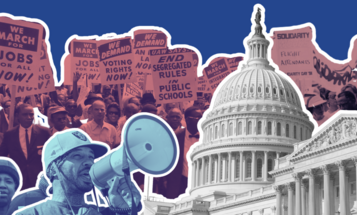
(210, 26)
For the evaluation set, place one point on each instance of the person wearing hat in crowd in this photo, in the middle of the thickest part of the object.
(30, 197)
(24, 144)
(315, 104)
(106, 91)
(9, 183)
(73, 120)
(346, 101)
(149, 108)
(57, 118)
(68, 157)
(100, 130)
(175, 183)
(148, 98)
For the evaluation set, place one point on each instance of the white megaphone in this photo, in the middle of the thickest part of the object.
(148, 143)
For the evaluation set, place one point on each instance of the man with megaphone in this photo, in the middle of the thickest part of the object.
(67, 159)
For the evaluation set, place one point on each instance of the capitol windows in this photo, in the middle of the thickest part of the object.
(267, 89)
(260, 127)
(281, 92)
(259, 168)
(295, 132)
(222, 131)
(230, 130)
(259, 89)
(249, 168)
(274, 90)
(211, 134)
(287, 130)
(269, 128)
(278, 129)
(239, 128)
(237, 168)
(250, 127)
(212, 170)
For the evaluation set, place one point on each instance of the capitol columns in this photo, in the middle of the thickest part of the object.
(279, 191)
(218, 177)
(229, 166)
(193, 174)
(241, 166)
(254, 166)
(298, 177)
(203, 171)
(209, 169)
(326, 172)
(304, 188)
(265, 171)
(290, 187)
(354, 208)
(311, 173)
(342, 177)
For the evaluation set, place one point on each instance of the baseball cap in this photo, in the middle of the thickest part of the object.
(67, 140)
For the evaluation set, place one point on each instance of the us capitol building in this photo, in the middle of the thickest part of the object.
(258, 157)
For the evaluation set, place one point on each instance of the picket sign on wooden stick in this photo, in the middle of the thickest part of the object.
(12, 107)
(120, 99)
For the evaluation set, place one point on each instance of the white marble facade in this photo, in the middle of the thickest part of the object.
(258, 157)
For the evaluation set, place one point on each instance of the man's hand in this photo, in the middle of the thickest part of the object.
(76, 77)
(120, 194)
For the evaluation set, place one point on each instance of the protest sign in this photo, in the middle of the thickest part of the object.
(174, 75)
(84, 61)
(45, 82)
(132, 89)
(216, 71)
(116, 61)
(68, 74)
(20, 50)
(201, 84)
(145, 40)
(233, 63)
(297, 56)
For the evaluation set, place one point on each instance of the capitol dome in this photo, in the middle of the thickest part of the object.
(256, 118)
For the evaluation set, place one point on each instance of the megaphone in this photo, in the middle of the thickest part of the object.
(148, 143)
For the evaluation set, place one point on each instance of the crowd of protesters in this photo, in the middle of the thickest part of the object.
(323, 103)
(102, 115)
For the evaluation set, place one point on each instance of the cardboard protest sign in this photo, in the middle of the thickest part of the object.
(45, 82)
(68, 74)
(20, 50)
(132, 89)
(216, 71)
(84, 61)
(296, 55)
(201, 84)
(233, 63)
(144, 41)
(174, 75)
(116, 64)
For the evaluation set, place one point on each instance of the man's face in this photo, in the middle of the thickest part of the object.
(26, 116)
(131, 110)
(76, 169)
(106, 92)
(318, 112)
(135, 101)
(98, 110)
(7, 107)
(61, 98)
(59, 120)
(7, 189)
(192, 121)
(174, 118)
(169, 106)
(71, 107)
